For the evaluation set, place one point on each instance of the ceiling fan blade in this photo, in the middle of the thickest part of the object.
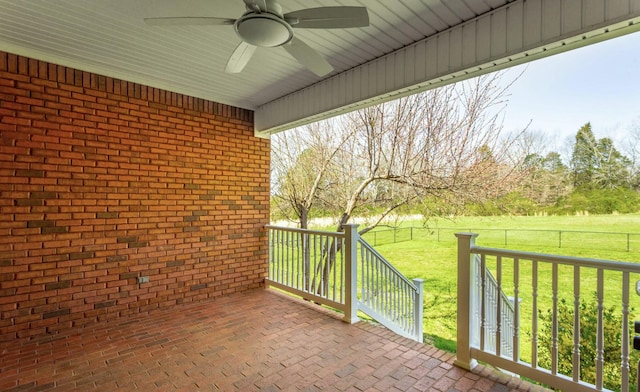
(188, 21)
(328, 18)
(240, 57)
(308, 57)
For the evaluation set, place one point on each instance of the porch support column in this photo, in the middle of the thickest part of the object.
(351, 273)
(463, 356)
(418, 311)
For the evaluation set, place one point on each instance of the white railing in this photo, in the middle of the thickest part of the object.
(554, 292)
(388, 296)
(323, 267)
(312, 264)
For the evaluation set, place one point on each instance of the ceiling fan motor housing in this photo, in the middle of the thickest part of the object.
(264, 29)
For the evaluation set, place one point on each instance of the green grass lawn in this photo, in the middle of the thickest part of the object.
(431, 255)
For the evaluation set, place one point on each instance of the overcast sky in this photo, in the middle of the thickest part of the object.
(599, 83)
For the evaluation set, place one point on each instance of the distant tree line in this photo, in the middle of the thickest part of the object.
(597, 179)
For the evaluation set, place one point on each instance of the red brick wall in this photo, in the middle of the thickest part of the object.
(103, 181)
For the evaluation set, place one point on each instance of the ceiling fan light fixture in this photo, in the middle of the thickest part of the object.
(265, 30)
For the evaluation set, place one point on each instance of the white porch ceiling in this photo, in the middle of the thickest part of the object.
(410, 45)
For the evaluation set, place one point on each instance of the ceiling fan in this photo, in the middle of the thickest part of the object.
(264, 25)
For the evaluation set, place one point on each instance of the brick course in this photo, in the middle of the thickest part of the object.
(103, 180)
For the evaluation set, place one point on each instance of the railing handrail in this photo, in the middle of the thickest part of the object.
(386, 263)
(337, 234)
(620, 266)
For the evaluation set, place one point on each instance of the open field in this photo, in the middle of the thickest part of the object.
(431, 255)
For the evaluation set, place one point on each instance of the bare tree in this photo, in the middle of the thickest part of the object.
(632, 150)
(300, 160)
(445, 143)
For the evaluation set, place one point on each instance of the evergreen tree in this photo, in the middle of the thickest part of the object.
(583, 159)
(612, 170)
(553, 163)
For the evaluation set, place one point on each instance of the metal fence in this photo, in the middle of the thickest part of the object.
(603, 240)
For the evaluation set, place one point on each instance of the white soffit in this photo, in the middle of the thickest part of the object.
(517, 32)
(411, 45)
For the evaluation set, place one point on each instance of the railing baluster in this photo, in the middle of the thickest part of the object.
(300, 264)
(576, 323)
(624, 367)
(340, 282)
(295, 273)
(290, 263)
(280, 256)
(335, 268)
(290, 255)
(554, 319)
(287, 260)
(534, 314)
(328, 273)
(396, 298)
(291, 260)
(271, 253)
(516, 310)
(483, 302)
(396, 294)
(369, 280)
(600, 331)
(385, 280)
(498, 318)
(379, 283)
(303, 258)
(375, 273)
(313, 286)
(363, 274)
(476, 298)
(325, 261)
(406, 302)
(322, 260)
(279, 259)
(342, 276)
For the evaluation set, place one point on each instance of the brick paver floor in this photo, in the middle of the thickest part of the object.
(258, 340)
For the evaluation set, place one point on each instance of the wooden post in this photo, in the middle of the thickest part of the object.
(418, 310)
(465, 280)
(351, 273)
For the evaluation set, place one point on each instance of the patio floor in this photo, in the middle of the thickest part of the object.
(256, 340)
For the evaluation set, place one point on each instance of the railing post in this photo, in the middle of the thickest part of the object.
(465, 280)
(418, 310)
(351, 274)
